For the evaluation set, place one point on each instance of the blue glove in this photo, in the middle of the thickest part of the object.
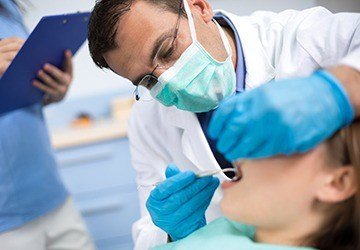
(283, 117)
(178, 204)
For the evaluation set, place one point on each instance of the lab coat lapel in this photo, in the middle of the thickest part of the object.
(259, 69)
(194, 144)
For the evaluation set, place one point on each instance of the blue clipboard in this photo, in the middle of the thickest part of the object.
(46, 44)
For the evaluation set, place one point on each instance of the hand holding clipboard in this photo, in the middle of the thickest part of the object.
(9, 47)
(46, 44)
(55, 82)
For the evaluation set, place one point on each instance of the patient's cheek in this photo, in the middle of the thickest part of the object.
(228, 209)
(230, 204)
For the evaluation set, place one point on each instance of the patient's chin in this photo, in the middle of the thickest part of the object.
(238, 211)
(228, 209)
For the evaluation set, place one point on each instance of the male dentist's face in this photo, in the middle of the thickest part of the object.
(145, 27)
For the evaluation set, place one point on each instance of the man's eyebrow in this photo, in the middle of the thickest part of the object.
(159, 41)
(157, 44)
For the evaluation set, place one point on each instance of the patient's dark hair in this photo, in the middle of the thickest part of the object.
(104, 22)
(341, 230)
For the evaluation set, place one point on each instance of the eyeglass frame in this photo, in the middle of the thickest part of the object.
(151, 75)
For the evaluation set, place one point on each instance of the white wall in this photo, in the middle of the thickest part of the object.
(245, 7)
(340, 5)
(89, 80)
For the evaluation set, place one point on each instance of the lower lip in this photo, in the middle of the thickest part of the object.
(227, 184)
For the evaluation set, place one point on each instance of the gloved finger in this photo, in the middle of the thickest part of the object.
(242, 149)
(178, 199)
(154, 207)
(215, 182)
(252, 138)
(220, 117)
(194, 220)
(231, 132)
(173, 185)
(175, 201)
(193, 204)
(271, 145)
(198, 208)
(187, 226)
(171, 170)
(264, 150)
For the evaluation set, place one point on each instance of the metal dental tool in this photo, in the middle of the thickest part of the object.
(201, 175)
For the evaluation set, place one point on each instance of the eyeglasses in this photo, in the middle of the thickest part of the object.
(162, 60)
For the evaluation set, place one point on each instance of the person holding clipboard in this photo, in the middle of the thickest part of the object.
(36, 211)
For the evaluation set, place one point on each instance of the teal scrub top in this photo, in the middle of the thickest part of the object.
(224, 234)
(30, 185)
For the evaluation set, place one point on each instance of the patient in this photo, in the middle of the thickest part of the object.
(309, 201)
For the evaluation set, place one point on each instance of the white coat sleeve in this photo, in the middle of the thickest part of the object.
(149, 164)
(331, 39)
(352, 60)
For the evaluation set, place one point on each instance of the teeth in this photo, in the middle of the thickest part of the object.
(239, 175)
(236, 179)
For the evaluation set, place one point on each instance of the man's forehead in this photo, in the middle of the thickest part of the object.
(133, 38)
(134, 24)
(137, 31)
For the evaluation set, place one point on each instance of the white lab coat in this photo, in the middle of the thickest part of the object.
(288, 44)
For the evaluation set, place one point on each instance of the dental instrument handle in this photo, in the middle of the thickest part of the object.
(198, 175)
(214, 172)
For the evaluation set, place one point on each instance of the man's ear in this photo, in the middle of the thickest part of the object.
(203, 8)
(339, 185)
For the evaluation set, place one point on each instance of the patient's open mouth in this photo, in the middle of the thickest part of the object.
(238, 176)
(238, 173)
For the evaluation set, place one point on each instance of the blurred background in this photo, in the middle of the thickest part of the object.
(88, 129)
(89, 80)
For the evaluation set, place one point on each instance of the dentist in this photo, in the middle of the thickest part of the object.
(189, 59)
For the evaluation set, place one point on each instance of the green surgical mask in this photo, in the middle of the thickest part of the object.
(197, 82)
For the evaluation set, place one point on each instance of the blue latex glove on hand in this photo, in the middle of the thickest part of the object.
(283, 117)
(178, 204)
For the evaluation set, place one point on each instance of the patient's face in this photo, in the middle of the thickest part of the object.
(276, 191)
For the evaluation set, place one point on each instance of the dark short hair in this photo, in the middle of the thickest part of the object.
(104, 20)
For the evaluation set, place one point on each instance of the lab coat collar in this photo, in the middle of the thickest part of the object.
(259, 69)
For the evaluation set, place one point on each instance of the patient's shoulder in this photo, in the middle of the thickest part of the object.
(222, 224)
(219, 234)
(229, 227)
